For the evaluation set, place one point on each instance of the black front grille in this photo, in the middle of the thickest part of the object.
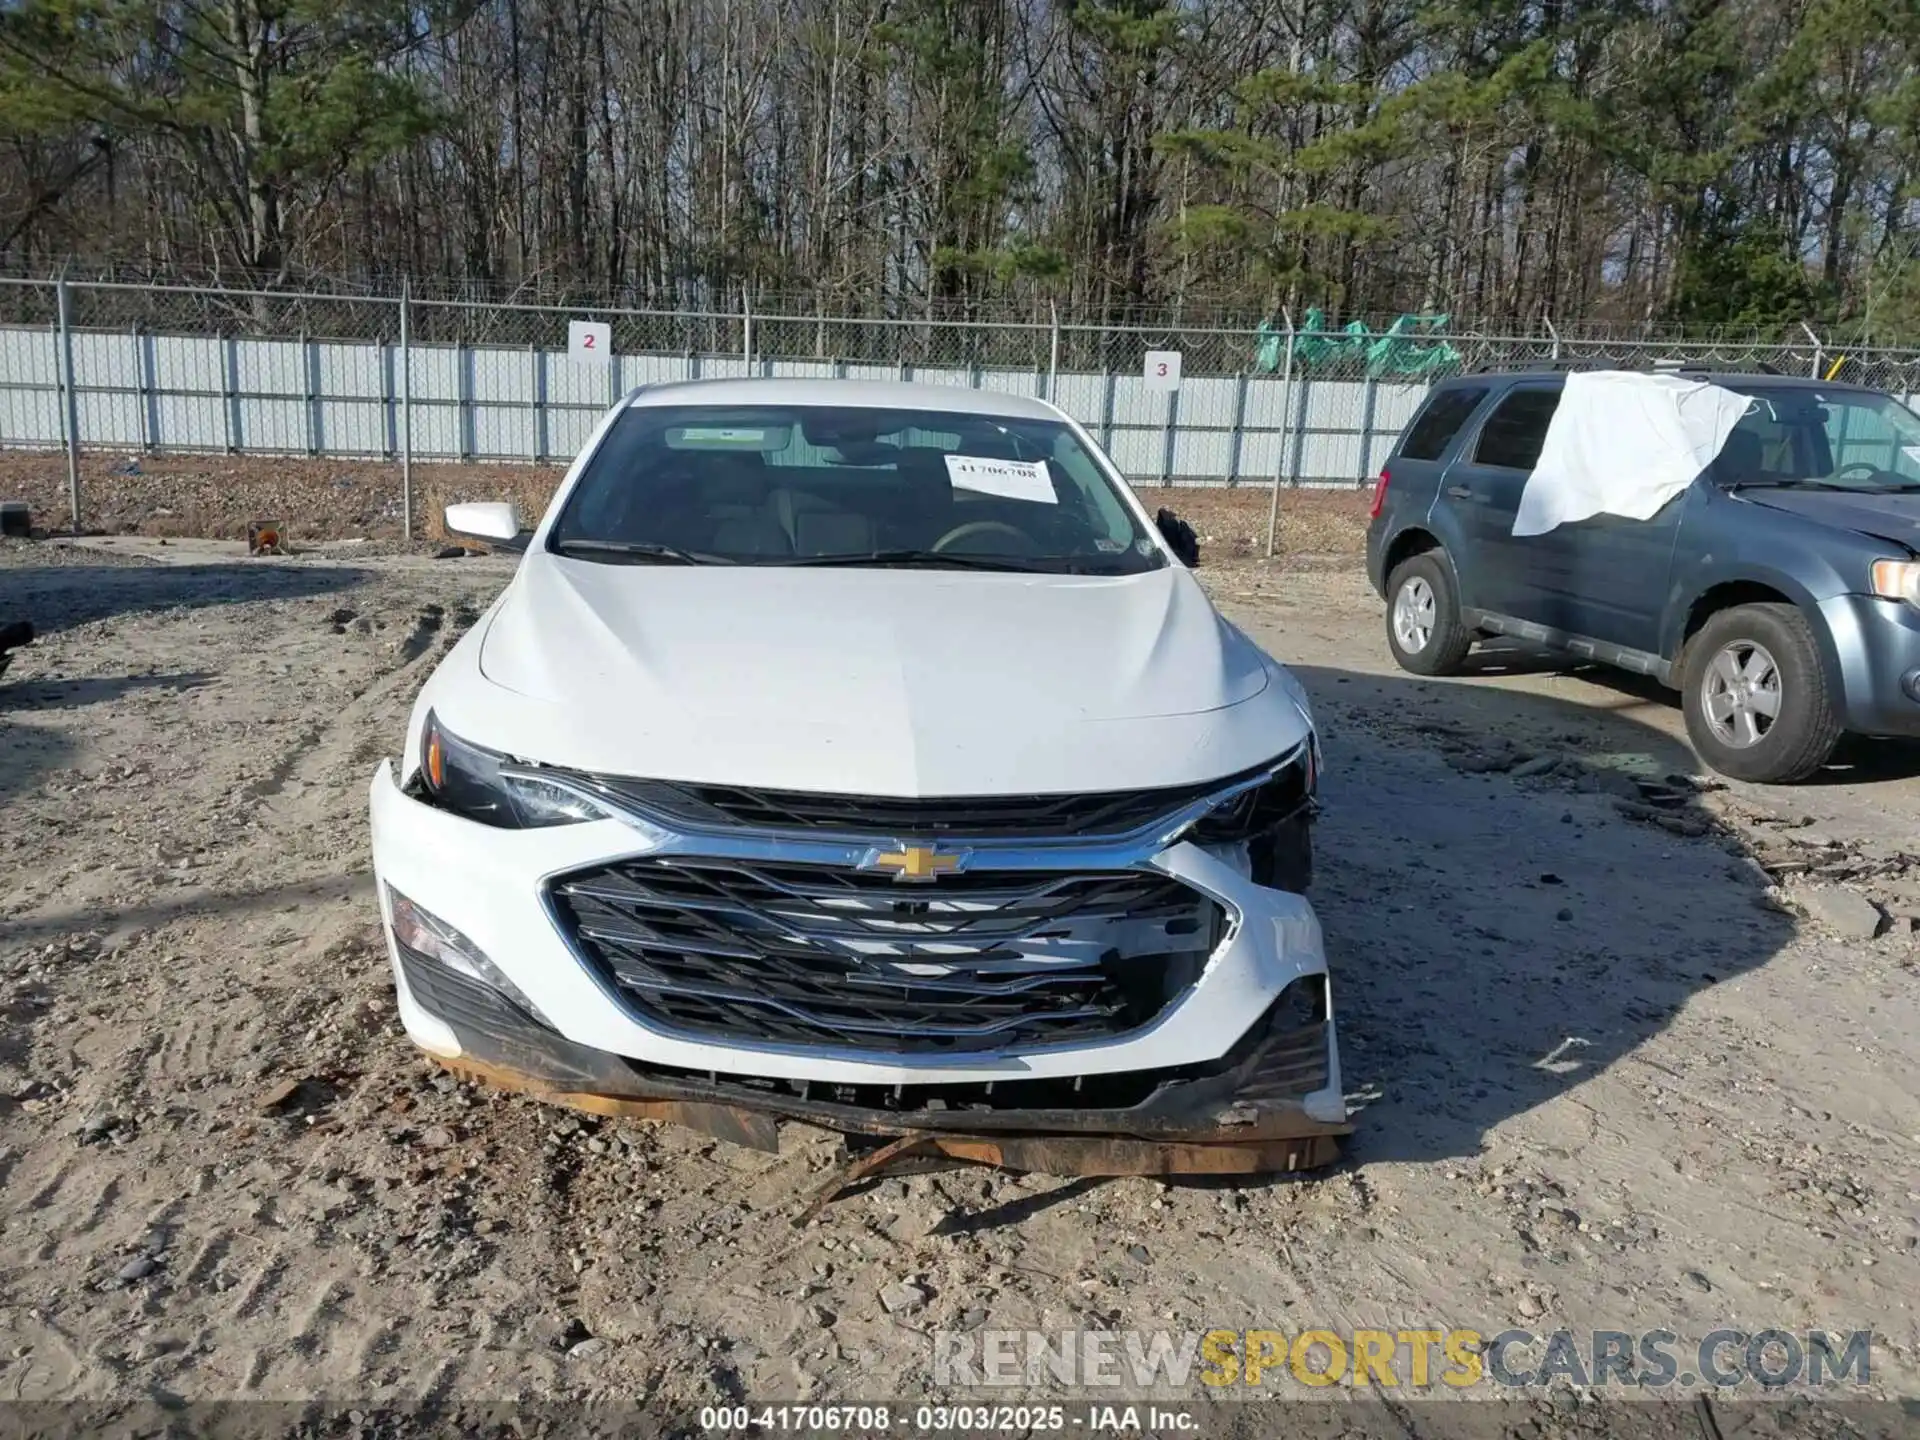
(808, 955)
(1117, 812)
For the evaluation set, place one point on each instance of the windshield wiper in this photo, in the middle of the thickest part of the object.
(640, 552)
(930, 559)
(1781, 484)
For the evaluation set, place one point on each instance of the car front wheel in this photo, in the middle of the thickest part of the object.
(1423, 617)
(1756, 697)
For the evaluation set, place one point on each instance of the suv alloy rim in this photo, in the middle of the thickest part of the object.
(1413, 612)
(1740, 694)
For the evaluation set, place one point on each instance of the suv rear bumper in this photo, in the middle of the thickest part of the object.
(1876, 645)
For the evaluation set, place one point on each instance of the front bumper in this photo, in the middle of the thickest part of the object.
(1228, 1066)
(1876, 643)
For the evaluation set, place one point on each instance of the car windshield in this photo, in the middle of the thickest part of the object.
(847, 485)
(1823, 439)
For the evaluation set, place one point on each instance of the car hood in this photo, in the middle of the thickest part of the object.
(1889, 517)
(873, 681)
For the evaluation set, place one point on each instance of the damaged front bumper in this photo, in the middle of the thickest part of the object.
(1241, 1114)
(1239, 1074)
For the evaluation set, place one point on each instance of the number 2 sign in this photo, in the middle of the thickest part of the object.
(589, 341)
(1163, 370)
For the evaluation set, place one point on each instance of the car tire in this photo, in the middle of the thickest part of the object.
(1423, 617)
(1755, 695)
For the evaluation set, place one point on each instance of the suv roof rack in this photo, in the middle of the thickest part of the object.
(1672, 367)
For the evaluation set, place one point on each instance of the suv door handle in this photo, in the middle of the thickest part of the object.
(1459, 492)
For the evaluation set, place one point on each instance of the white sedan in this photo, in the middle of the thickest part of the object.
(866, 754)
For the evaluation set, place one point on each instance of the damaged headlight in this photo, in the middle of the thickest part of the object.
(1286, 794)
(494, 789)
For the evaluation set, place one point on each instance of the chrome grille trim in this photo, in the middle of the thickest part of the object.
(715, 948)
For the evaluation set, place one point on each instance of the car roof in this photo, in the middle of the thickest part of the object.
(1733, 379)
(866, 394)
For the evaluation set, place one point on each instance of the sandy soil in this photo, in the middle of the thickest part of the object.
(1608, 1080)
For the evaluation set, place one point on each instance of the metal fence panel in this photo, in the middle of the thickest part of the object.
(30, 400)
(180, 368)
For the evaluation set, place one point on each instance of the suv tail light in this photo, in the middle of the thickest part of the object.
(1379, 496)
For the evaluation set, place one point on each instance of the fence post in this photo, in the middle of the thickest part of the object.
(406, 411)
(1819, 350)
(1367, 404)
(1286, 424)
(142, 390)
(230, 391)
(1166, 440)
(310, 382)
(1053, 352)
(69, 406)
(746, 331)
(536, 377)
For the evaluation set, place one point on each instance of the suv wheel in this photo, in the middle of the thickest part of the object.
(1423, 618)
(1756, 698)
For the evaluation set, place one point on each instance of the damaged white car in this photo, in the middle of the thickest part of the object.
(865, 754)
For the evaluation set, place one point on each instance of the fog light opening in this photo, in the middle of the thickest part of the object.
(425, 934)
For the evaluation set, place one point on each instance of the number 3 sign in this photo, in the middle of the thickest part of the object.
(1163, 370)
(589, 341)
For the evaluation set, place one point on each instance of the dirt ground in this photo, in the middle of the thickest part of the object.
(1610, 1073)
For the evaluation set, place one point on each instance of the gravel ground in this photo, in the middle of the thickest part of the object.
(1612, 1073)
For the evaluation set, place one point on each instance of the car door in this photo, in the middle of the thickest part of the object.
(1482, 490)
(1605, 578)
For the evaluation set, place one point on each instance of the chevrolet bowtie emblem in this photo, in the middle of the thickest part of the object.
(916, 862)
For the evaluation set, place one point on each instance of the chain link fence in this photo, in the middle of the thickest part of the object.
(135, 367)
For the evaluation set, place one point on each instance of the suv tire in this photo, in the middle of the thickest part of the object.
(1756, 697)
(1423, 617)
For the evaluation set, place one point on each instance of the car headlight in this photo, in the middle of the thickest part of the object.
(1260, 808)
(1897, 580)
(494, 789)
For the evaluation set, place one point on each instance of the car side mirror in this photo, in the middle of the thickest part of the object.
(1179, 537)
(495, 521)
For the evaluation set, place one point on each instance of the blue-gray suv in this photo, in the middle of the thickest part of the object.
(1779, 593)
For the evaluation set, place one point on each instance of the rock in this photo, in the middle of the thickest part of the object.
(1538, 765)
(1563, 915)
(1137, 1254)
(972, 1319)
(278, 1096)
(1697, 1280)
(95, 1127)
(586, 1349)
(1530, 1307)
(903, 1298)
(1845, 912)
(1603, 781)
(138, 1268)
(450, 552)
(1481, 762)
(822, 1317)
(436, 1137)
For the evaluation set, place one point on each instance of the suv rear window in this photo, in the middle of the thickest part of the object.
(1434, 427)
(1516, 429)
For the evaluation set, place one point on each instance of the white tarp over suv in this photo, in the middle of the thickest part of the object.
(1624, 443)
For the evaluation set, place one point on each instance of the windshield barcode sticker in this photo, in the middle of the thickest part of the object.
(1009, 479)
